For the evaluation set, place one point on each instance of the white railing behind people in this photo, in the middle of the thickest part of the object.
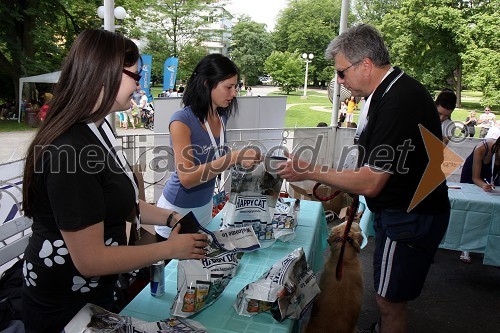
(14, 237)
(156, 160)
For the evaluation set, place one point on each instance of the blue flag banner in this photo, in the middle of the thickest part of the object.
(145, 81)
(170, 72)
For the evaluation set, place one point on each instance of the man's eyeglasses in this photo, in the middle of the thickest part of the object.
(135, 76)
(341, 73)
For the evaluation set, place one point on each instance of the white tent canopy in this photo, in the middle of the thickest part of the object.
(42, 78)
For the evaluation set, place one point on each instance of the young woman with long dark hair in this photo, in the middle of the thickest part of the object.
(197, 135)
(79, 190)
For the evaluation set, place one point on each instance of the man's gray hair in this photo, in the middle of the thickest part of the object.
(359, 42)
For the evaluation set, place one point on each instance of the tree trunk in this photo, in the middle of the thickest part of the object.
(459, 84)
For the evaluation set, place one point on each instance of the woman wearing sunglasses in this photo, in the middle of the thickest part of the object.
(79, 190)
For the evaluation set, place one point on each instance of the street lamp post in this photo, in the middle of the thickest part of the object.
(108, 13)
(307, 58)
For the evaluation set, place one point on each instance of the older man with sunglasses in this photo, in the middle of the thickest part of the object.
(392, 162)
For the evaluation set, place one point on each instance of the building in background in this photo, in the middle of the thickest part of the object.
(217, 30)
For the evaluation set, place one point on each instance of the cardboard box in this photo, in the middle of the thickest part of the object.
(303, 190)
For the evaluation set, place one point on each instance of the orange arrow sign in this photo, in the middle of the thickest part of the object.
(442, 162)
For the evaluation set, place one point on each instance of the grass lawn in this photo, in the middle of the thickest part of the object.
(13, 125)
(300, 113)
(310, 111)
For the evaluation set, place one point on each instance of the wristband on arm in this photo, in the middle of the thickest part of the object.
(170, 217)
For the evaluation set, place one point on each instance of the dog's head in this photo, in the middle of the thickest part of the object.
(337, 233)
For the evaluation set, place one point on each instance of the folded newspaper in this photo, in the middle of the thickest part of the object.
(286, 290)
(94, 319)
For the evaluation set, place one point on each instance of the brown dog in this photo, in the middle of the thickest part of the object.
(337, 307)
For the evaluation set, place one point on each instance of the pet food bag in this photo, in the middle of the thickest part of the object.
(287, 289)
(253, 197)
(93, 318)
(200, 282)
(285, 219)
(232, 239)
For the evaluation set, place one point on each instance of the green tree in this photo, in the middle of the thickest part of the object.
(35, 36)
(173, 28)
(286, 69)
(482, 52)
(373, 11)
(179, 22)
(250, 47)
(309, 26)
(188, 60)
(422, 38)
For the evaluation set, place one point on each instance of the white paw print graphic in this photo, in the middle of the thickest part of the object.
(109, 242)
(134, 273)
(48, 250)
(79, 283)
(29, 275)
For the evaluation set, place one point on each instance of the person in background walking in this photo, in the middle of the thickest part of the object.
(470, 124)
(486, 120)
(351, 105)
(42, 114)
(121, 119)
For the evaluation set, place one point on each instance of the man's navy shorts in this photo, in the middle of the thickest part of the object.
(405, 244)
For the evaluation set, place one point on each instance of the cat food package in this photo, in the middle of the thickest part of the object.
(241, 239)
(286, 290)
(252, 201)
(200, 282)
(285, 219)
(93, 318)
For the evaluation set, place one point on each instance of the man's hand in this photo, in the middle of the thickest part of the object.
(295, 169)
(248, 157)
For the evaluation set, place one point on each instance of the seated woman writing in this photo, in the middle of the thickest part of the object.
(482, 167)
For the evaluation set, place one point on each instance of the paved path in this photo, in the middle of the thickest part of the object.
(14, 144)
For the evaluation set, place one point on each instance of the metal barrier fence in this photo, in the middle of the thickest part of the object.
(154, 156)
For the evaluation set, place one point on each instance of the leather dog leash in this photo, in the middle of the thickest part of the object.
(316, 195)
(350, 219)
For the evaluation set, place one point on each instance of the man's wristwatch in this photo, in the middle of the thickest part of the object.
(170, 217)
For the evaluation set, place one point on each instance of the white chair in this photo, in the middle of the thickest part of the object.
(14, 237)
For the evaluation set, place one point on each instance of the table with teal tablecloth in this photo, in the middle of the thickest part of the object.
(220, 317)
(474, 222)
